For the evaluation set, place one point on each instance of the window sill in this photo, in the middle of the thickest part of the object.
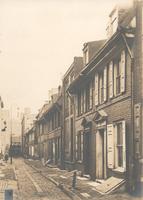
(119, 169)
(79, 161)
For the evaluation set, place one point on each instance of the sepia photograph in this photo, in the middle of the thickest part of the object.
(71, 99)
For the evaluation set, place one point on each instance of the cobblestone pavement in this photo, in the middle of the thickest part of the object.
(83, 189)
(7, 180)
(33, 186)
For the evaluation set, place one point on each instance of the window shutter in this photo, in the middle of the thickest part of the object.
(82, 146)
(115, 76)
(124, 143)
(76, 105)
(96, 89)
(82, 101)
(76, 146)
(105, 83)
(91, 96)
(110, 146)
(123, 58)
(111, 79)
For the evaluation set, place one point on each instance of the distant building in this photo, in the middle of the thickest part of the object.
(49, 130)
(69, 114)
(26, 124)
(16, 116)
(51, 92)
(5, 129)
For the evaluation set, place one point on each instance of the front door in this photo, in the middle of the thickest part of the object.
(100, 154)
(87, 152)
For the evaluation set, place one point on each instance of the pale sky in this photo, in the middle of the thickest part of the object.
(38, 40)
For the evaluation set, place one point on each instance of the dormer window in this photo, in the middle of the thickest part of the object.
(86, 56)
(113, 23)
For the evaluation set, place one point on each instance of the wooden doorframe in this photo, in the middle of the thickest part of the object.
(88, 145)
(104, 151)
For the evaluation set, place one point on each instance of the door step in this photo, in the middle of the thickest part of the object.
(109, 185)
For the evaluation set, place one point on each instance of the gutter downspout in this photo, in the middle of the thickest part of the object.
(131, 181)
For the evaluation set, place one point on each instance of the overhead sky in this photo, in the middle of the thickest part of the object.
(38, 40)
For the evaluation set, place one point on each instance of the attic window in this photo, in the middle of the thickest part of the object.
(86, 57)
(113, 23)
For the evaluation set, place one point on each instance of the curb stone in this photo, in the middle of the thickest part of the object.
(61, 186)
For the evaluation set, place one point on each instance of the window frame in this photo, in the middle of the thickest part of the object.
(79, 146)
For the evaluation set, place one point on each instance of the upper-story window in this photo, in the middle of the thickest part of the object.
(71, 77)
(87, 93)
(101, 87)
(119, 74)
(86, 56)
(85, 98)
(118, 77)
(79, 103)
(110, 82)
(112, 23)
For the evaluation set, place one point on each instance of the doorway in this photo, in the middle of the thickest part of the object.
(101, 154)
(87, 152)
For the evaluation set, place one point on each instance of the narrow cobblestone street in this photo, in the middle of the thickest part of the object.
(32, 186)
(30, 180)
(85, 189)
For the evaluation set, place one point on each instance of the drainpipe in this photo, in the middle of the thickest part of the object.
(130, 176)
(138, 97)
(63, 129)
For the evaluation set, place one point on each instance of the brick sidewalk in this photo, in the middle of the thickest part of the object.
(8, 180)
(85, 188)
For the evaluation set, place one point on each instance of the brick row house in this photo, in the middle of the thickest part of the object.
(104, 107)
(49, 130)
(94, 124)
(69, 114)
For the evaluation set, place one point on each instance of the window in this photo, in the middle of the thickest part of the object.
(71, 136)
(120, 145)
(96, 89)
(110, 80)
(59, 119)
(66, 98)
(66, 105)
(79, 103)
(87, 97)
(86, 57)
(116, 145)
(101, 87)
(118, 77)
(58, 148)
(79, 146)
(41, 128)
(82, 101)
(119, 74)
